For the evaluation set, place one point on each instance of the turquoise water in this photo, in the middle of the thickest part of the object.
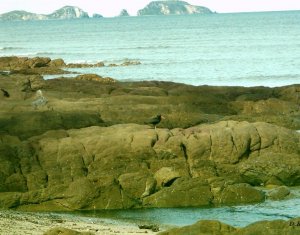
(246, 49)
(238, 216)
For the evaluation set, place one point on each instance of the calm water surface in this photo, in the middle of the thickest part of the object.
(238, 216)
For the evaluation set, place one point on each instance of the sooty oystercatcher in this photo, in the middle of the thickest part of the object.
(155, 120)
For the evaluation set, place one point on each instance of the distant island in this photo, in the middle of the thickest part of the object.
(172, 8)
(67, 12)
(124, 12)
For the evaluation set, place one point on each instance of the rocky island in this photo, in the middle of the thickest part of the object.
(124, 13)
(67, 12)
(85, 148)
(172, 8)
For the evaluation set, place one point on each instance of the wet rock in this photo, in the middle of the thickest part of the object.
(278, 193)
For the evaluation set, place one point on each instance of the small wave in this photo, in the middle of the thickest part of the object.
(143, 48)
(118, 61)
(10, 48)
(46, 53)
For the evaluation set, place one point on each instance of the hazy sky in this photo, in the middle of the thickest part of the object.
(113, 7)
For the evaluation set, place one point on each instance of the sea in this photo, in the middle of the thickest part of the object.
(241, 49)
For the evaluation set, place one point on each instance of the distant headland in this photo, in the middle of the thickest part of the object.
(72, 12)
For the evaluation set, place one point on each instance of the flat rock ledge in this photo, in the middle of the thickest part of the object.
(135, 166)
(46, 65)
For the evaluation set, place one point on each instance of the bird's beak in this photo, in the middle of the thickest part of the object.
(162, 117)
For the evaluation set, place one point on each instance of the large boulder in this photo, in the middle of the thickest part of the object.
(279, 193)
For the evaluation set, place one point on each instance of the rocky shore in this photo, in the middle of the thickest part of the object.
(81, 143)
(16, 222)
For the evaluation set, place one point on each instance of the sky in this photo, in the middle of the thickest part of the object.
(110, 8)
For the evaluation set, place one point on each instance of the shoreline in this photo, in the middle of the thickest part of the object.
(36, 223)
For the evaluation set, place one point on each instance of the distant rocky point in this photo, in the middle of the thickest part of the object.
(67, 12)
(124, 12)
(172, 8)
(97, 16)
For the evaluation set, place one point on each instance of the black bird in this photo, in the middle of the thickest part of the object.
(155, 120)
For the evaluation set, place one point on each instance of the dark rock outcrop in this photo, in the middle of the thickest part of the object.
(172, 8)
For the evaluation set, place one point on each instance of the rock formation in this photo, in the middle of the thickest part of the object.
(66, 12)
(132, 166)
(97, 16)
(124, 13)
(87, 148)
(22, 15)
(172, 8)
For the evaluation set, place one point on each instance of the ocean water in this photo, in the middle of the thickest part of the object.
(245, 49)
(238, 216)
